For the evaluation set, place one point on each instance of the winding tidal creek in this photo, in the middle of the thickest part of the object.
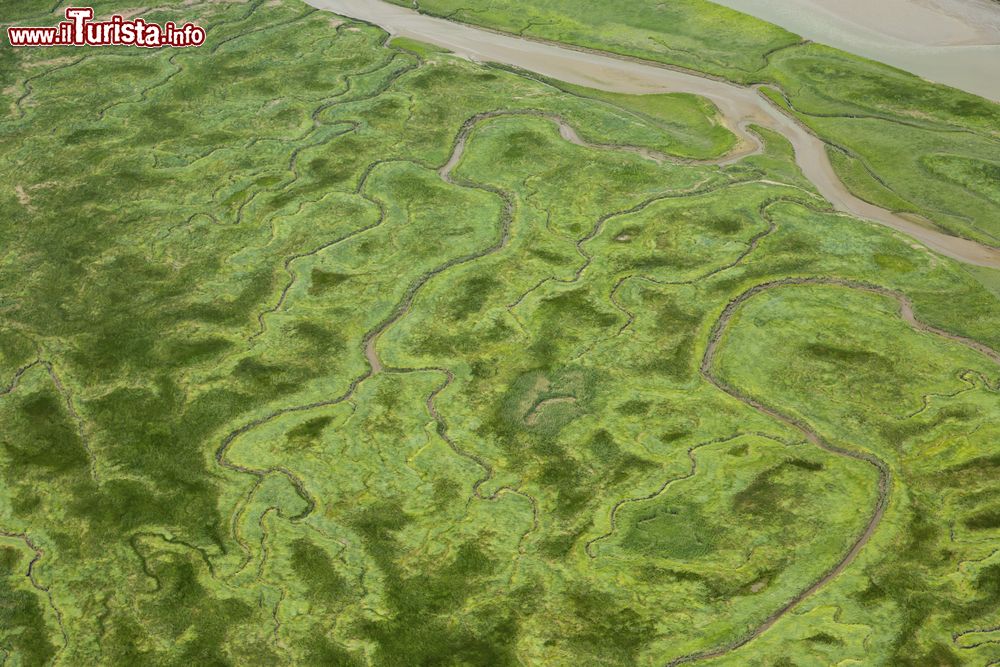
(740, 106)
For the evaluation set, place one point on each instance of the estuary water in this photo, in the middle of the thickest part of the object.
(954, 42)
(739, 105)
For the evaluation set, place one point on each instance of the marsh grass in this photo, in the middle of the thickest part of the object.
(197, 253)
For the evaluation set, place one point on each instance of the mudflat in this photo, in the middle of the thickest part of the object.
(954, 42)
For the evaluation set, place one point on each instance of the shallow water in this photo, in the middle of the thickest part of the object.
(738, 105)
(955, 42)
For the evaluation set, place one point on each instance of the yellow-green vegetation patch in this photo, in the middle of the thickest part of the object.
(989, 278)
(979, 177)
(692, 33)
(416, 46)
(321, 349)
(890, 120)
(695, 117)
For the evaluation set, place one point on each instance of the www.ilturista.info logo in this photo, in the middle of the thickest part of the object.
(80, 30)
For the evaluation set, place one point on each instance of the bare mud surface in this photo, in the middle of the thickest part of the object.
(739, 105)
(954, 42)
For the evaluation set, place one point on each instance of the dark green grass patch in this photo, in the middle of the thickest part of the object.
(214, 473)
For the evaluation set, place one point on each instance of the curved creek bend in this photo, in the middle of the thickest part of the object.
(740, 106)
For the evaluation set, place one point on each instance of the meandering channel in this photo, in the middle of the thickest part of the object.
(740, 106)
(707, 370)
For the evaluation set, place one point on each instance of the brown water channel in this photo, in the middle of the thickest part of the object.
(740, 106)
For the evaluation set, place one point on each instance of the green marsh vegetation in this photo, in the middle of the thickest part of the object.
(896, 140)
(200, 464)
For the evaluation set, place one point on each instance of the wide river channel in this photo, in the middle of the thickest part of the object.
(955, 42)
(739, 105)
